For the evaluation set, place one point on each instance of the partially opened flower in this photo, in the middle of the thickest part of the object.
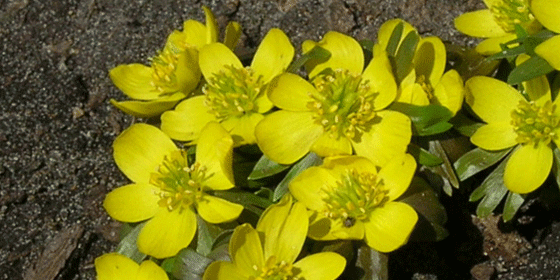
(426, 83)
(235, 96)
(168, 190)
(174, 72)
(497, 23)
(548, 13)
(114, 266)
(512, 120)
(271, 250)
(349, 199)
(339, 112)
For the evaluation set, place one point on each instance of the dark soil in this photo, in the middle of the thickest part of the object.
(57, 126)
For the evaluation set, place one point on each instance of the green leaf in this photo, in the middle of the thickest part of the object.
(250, 201)
(513, 203)
(508, 53)
(204, 238)
(477, 160)
(422, 156)
(405, 54)
(445, 170)
(188, 265)
(395, 39)
(127, 246)
(556, 165)
(316, 54)
(532, 68)
(465, 125)
(492, 191)
(374, 265)
(266, 168)
(426, 120)
(309, 160)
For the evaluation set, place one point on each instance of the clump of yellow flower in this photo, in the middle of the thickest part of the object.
(512, 120)
(349, 199)
(168, 190)
(174, 72)
(339, 111)
(497, 23)
(548, 13)
(234, 96)
(114, 266)
(426, 83)
(270, 251)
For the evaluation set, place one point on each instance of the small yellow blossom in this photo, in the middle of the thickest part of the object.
(235, 96)
(168, 190)
(548, 13)
(114, 266)
(511, 120)
(497, 23)
(340, 111)
(270, 251)
(349, 199)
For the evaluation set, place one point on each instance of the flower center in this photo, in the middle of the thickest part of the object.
(426, 86)
(344, 104)
(533, 123)
(354, 197)
(180, 185)
(275, 271)
(232, 93)
(508, 13)
(163, 75)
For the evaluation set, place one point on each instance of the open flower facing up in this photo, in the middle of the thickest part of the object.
(114, 266)
(512, 120)
(168, 189)
(426, 83)
(548, 13)
(174, 72)
(235, 96)
(340, 111)
(497, 23)
(349, 199)
(270, 251)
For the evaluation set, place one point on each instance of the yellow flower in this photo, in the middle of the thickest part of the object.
(270, 251)
(235, 96)
(114, 266)
(349, 199)
(426, 83)
(548, 13)
(168, 189)
(497, 23)
(339, 111)
(512, 121)
(173, 74)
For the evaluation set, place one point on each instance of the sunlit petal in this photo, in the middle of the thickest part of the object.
(215, 153)
(221, 270)
(246, 250)
(492, 100)
(326, 146)
(210, 66)
(528, 167)
(114, 266)
(479, 23)
(450, 92)
(430, 58)
(135, 81)
(397, 174)
(150, 108)
(495, 136)
(379, 76)
(132, 203)
(346, 53)
(273, 55)
(216, 210)
(313, 266)
(306, 187)
(187, 120)
(549, 50)
(291, 92)
(547, 11)
(150, 271)
(390, 226)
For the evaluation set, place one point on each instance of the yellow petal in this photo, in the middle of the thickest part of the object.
(386, 29)
(221, 270)
(547, 11)
(135, 81)
(214, 58)
(114, 266)
(527, 168)
(211, 26)
(167, 233)
(187, 72)
(340, 165)
(492, 45)
(346, 53)
(274, 55)
(450, 92)
(216, 210)
(326, 146)
(479, 23)
(150, 271)
(291, 92)
(194, 34)
(549, 50)
(308, 184)
(140, 149)
(492, 100)
(132, 203)
(242, 129)
(285, 137)
(381, 80)
(313, 266)
(385, 139)
(148, 109)
(245, 249)
(413, 94)
(429, 59)
(233, 32)
(323, 228)
(538, 90)
(397, 174)
(187, 120)
(495, 136)
(390, 226)
(215, 152)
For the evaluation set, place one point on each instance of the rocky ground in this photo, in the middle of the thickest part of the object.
(57, 126)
